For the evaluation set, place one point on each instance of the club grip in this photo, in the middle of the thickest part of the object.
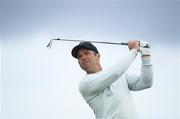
(124, 43)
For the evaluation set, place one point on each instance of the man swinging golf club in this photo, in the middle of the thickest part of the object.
(108, 91)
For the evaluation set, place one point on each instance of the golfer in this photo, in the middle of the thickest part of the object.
(107, 91)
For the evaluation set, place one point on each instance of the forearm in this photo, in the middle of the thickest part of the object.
(122, 66)
(146, 71)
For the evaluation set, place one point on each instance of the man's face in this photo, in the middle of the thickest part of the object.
(88, 60)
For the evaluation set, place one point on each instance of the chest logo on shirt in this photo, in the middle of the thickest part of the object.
(109, 92)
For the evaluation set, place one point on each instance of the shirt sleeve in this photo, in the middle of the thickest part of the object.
(145, 80)
(93, 83)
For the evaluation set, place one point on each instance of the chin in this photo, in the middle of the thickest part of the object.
(88, 71)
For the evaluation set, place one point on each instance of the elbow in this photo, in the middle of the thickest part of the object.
(149, 83)
(148, 80)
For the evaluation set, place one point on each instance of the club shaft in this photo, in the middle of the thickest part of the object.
(114, 43)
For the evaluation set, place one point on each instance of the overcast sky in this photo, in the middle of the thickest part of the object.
(38, 83)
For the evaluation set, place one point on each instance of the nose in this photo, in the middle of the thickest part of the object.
(83, 57)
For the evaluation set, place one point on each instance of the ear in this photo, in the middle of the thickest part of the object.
(98, 55)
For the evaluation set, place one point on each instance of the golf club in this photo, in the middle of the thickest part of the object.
(70, 40)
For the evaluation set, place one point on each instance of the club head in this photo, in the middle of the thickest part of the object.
(147, 46)
(50, 44)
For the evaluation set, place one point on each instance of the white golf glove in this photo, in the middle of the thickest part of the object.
(144, 48)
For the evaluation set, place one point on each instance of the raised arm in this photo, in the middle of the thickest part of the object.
(145, 79)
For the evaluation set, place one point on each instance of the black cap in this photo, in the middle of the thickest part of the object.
(83, 45)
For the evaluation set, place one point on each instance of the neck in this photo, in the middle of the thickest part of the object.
(97, 69)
